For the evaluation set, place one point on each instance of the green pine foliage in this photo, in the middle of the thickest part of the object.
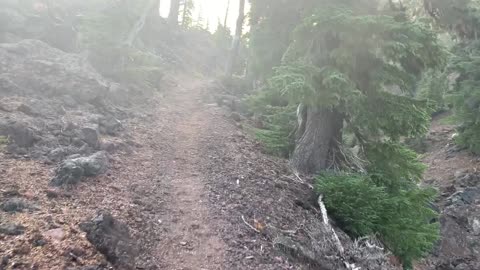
(403, 221)
(277, 132)
(466, 95)
(462, 19)
(394, 166)
(433, 87)
(187, 13)
(278, 119)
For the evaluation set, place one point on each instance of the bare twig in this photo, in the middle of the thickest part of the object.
(250, 226)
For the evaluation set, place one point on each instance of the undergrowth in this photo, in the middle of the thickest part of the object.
(403, 219)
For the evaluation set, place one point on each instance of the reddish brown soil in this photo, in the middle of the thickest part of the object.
(441, 159)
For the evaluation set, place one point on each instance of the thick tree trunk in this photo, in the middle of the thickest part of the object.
(317, 140)
(236, 40)
(174, 10)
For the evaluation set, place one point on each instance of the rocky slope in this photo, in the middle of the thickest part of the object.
(455, 173)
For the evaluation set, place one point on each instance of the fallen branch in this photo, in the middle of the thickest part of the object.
(250, 226)
(328, 227)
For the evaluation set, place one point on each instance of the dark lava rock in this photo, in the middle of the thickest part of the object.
(69, 173)
(469, 180)
(90, 136)
(468, 196)
(11, 229)
(111, 238)
(4, 261)
(38, 240)
(12, 192)
(13, 205)
(110, 126)
(20, 133)
(73, 170)
(28, 110)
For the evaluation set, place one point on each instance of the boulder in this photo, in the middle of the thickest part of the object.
(90, 136)
(119, 94)
(111, 238)
(69, 173)
(468, 196)
(73, 170)
(11, 229)
(18, 132)
(34, 67)
(28, 110)
(95, 164)
(15, 204)
(110, 125)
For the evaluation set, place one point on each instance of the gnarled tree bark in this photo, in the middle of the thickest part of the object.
(318, 138)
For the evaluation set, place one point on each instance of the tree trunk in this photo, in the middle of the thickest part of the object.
(140, 23)
(317, 140)
(226, 15)
(185, 11)
(174, 10)
(236, 40)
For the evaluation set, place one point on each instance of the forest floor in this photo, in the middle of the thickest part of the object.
(195, 192)
(442, 158)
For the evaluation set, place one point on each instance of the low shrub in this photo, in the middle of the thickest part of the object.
(403, 220)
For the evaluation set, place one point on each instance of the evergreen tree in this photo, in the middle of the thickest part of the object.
(232, 58)
(187, 13)
(353, 67)
(462, 19)
(343, 65)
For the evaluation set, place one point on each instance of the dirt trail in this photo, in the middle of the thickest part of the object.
(442, 158)
(179, 233)
(191, 243)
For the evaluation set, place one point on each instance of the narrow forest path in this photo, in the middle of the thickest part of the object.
(191, 243)
(187, 239)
